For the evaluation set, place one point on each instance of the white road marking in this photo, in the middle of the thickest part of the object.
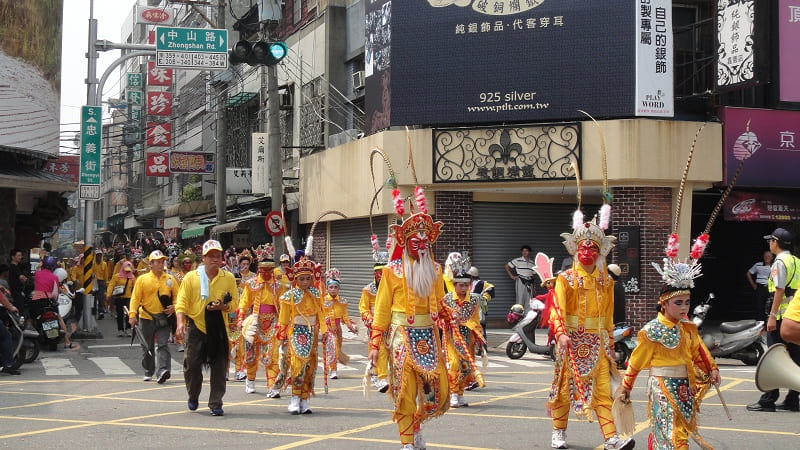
(58, 366)
(112, 365)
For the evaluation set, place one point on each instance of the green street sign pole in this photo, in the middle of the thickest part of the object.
(91, 134)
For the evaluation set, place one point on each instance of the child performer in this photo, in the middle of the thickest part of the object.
(301, 321)
(681, 367)
(462, 330)
(335, 308)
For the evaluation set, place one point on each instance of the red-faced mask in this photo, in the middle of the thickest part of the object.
(587, 253)
(416, 244)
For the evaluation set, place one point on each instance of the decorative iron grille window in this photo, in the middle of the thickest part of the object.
(241, 121)
(506, 154)
(312, 115)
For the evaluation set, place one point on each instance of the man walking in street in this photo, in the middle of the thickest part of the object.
(783, 282)
(520, 270)
(152, 301)
(205, 296)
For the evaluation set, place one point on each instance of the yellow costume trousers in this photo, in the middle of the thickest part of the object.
(601, 397)
(418, 394)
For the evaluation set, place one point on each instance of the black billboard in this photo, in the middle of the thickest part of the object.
(472, 62)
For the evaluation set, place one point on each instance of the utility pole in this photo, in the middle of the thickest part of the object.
(87, 322)
(221, 88)
(274, 153)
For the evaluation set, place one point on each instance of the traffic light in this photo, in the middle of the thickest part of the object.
(257, 53)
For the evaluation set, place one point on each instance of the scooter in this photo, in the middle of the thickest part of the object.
(524, 337)
(736, 340)
(24, 342)
(47, 326)
(624, 343)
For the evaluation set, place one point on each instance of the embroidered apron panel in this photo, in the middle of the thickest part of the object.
(302, 340)
(585, 350)
(422, 347)
(234, 333)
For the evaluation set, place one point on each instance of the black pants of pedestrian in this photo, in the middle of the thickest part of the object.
(763, 302)
(194, 356)
(122, 318)
(6, 349)
(792, 397)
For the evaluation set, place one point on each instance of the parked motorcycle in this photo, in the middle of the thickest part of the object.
(47, 326)
(524, 337)
(624, 343)
(24, 342)
(740, 339)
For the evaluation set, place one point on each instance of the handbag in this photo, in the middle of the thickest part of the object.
(161, 320)
(119, 289)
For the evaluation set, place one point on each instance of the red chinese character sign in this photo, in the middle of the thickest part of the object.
(274, 223)
(158, 76)
(65, 166)
(159, 103)
(159, 134)
(157, 164)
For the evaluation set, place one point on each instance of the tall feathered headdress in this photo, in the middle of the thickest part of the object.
(679, 275)
(593, 230)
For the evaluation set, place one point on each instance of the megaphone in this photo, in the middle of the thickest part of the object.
(777, 370)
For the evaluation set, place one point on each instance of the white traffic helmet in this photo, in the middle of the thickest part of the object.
(61, 274)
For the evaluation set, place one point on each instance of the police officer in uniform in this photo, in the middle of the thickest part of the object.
(784, 280)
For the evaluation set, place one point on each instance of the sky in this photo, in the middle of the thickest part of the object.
(110, 15)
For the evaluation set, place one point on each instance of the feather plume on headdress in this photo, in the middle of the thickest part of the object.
(310, 240)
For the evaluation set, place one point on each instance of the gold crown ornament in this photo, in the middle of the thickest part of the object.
(265, 254)
(305, 266)
(420, 225)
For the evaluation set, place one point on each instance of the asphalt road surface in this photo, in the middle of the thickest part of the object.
(94, 397)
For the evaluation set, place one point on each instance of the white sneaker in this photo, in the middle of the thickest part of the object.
(147, 378)
(419, 442)
(274, 393)
(462, 401)
(407, 447)
(559, 439)
(241, 376)
(334, 375)
(454, 400)
(250, 386)
(294, 405)
(381, 385)
(615, 443)
(305, 408)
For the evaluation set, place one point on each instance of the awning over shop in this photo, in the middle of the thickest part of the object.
(194, 232)
(238, 225)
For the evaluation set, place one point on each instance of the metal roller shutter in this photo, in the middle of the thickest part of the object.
(500, 229)
(351, 253)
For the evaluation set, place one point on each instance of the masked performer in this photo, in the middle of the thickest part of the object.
(407, 307)
(260, 298)
(583, 325)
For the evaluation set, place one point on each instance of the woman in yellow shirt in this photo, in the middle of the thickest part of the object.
(119, 289)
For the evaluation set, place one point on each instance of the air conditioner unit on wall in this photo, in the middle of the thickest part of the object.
(358, 80)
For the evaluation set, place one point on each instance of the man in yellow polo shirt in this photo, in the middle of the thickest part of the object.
(205, 296)
(790, 331)
(152, 300)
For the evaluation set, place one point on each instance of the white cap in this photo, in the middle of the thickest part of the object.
(473, 271)
(615, 269)
(211, 244)
(156, 254)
